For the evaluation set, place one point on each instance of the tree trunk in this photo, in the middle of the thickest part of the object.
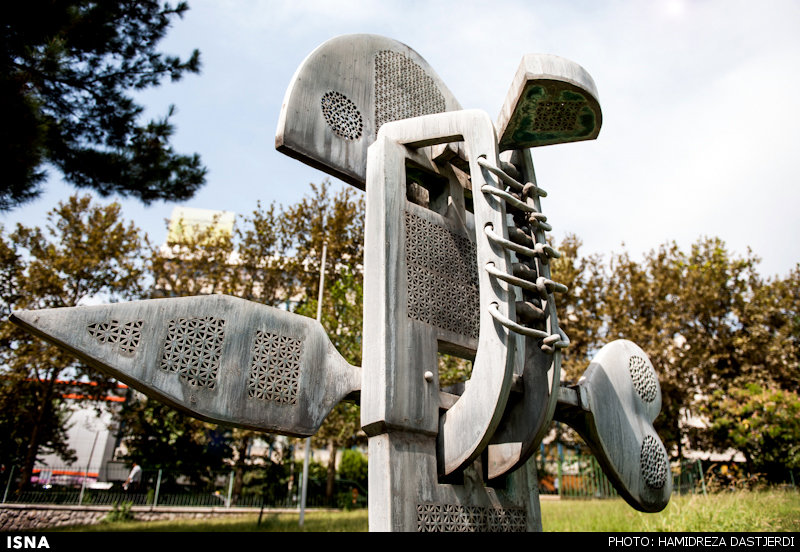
(241, 458)
(33, 444)
(329, 485)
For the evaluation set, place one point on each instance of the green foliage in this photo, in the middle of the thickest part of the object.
(119, 512)
(67, 73)
(453, 370)
(761, 422)
(706, 318)
(353, 467)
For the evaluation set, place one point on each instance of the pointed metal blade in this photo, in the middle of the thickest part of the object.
(219, 358)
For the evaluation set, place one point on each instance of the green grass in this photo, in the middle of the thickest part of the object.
(738, 511)
(746, 511)
(319, 522)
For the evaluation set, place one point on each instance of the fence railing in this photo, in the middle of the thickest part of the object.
(228, 489)
(570, 476)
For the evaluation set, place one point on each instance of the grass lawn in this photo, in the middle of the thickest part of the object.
(745, 511)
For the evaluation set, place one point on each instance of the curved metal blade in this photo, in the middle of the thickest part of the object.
(344, 91)
(552, 100)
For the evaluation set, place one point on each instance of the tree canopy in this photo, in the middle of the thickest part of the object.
(725, 342)
(68, 71)
(712, 326)
(86, 251)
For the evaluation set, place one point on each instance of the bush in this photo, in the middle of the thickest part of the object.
(763, 423)
(353, 467)
(119, 512)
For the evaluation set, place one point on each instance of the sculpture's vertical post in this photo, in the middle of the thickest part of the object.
(425, 292)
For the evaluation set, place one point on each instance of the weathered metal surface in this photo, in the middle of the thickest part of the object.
(216, 357)
(429, 292)
(344, 91)
(618, 398)
(405, 493)
(393, 337)
(552, 101)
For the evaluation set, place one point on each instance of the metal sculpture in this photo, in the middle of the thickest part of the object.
(456, 261)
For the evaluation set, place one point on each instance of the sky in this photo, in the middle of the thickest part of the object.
(699, 135)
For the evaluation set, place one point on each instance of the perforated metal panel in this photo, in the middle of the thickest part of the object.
(342, 115)
(344, 91)
(644, 378)
(655, 465)
(442, 277)
(124, 336)
(275, 368)
(403, 89)
(193, 348)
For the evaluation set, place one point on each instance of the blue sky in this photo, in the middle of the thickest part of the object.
(699, 119)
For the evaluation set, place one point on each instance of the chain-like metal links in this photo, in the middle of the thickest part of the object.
(538, 249)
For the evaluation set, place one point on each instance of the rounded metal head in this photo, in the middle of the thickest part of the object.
(623, 394)
(552, 100)
(344, 91)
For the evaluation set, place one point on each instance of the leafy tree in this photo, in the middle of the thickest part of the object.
(157, 436)
(353, 467)
(769, 332)
(322, 217)
(763, 423)
(580, 308)
(684, 311)
(338, 222)
(85, 251)
(706, 319)
(68, 69)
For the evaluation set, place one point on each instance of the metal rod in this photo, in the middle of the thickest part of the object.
(158, 488)
(702, 479)
(8, 484)
(507, 178)
(307, 452)
(86, 472)
(230, 489)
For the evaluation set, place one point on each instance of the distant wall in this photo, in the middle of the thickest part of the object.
(27, 517)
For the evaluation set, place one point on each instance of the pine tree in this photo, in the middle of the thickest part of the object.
(68, 69)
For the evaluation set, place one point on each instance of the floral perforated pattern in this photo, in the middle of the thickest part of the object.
(193, 348)
(442, 277)
(125, 337)
(275, 368)
(403, 89)
(449, 518)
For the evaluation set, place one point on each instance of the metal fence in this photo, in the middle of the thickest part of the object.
(253, 486)
(574, 477)
(563, 475)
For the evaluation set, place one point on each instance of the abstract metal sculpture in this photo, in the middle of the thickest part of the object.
(456, 261)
